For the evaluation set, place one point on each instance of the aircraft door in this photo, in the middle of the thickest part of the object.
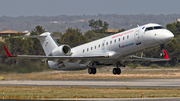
(137, 38)
(103, 44)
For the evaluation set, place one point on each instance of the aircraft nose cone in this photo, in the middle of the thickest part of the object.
(170, 35)
(164, 37)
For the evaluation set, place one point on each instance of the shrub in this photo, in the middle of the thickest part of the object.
(130, 65)
(133, 65)
(154, 65)
(177, 65)
(167, 65)
(23, 68)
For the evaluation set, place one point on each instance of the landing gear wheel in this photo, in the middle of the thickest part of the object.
(92, 70)
(162, 48)
(116, 71)
(162, 54)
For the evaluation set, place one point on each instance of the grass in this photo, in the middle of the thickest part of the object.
(102, 73)
(83, 92)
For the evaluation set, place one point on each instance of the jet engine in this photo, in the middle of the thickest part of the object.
(63, 50)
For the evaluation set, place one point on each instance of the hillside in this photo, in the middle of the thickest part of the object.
(61, 22)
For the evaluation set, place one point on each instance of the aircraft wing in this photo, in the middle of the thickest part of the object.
(85, 59)
(134, 58)
(59, 58)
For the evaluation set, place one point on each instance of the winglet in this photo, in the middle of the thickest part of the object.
(7, 52)
(166, 55)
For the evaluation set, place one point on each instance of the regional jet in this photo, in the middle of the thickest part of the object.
(117, 49)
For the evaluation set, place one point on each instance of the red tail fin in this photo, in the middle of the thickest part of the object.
(7, 52)
(166, 55)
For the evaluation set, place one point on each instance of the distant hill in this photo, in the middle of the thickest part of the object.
(61, 22)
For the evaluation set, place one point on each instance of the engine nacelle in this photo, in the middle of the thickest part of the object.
(63, 50)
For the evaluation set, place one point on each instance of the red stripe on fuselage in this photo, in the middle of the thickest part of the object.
(122, 34)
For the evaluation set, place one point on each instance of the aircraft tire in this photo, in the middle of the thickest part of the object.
(94, 70)
(90, 70)
(114, 71)
(118, 71)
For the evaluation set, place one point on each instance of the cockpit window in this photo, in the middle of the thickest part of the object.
(152, 28)
(149, 28)
(158, 27)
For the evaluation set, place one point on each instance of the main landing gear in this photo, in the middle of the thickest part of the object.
(117, 70)
(92, 70)
(162, 54)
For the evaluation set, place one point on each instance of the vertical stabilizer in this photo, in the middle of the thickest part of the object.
(48, 43)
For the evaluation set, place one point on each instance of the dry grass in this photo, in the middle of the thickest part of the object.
(103, 73)
(83, 92)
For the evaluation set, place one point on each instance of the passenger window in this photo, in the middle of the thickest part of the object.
(83, 50)
(87, 49)
(91, 48)
(128, 37)
(115, 41)
(110, 42)
(103, 44)
(99, 45)
(119, 39)
(106, 43)
(123, 38)
(94, 47)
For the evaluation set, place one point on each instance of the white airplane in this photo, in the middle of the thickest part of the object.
(115, 50)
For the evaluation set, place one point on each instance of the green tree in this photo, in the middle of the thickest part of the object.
(91, 35)
(38, 30)
(73, 37)
(36, 44)
(121, 30)
(98, 26)
(174, 28)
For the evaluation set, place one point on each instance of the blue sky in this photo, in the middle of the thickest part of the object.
(16, 8)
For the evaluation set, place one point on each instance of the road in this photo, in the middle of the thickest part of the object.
(102, 99)
(117, 83)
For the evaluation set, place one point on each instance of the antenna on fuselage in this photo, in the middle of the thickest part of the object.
(138, 25)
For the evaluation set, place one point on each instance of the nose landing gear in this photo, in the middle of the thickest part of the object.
(162, 48)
